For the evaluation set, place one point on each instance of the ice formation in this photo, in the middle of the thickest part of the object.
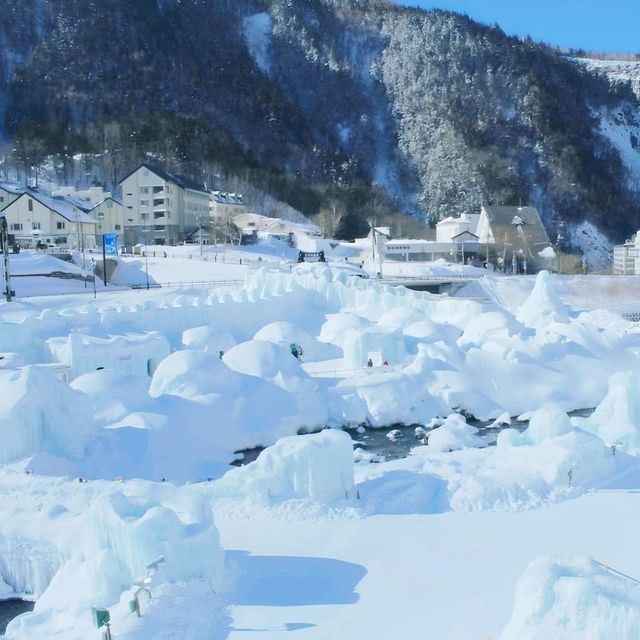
(317, 466)
(571, 598)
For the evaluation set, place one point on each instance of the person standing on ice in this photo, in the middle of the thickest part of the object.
(369, 363)
(294, 351)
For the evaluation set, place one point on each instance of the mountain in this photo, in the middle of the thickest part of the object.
(363, 103)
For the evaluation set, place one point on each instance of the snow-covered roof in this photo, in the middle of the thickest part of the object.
(62, 206)
(181, 181)
(12, 187)
(83, 205)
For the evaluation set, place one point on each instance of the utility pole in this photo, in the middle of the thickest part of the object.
(4, 244)
(559, 239)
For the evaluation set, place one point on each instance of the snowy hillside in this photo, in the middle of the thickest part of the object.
(618, 71)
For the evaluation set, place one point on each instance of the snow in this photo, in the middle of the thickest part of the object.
(257, 33)
(573, 597)
(312, 523)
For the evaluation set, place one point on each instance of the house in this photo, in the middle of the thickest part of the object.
(37, 219)
(9, 191)
(109, 213)
(264, 228)
(515, 233)
(162, 207)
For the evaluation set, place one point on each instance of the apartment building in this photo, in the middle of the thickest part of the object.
(162, 207)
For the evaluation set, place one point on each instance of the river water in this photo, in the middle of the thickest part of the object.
(12, 608)
(376, 442)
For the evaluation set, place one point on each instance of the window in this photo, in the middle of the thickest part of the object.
(144, 203)
(117, 227)
(60, 240)
(159, 227)
(129, 206)
(144, 189)
(158, 214)
(60, 225)
(129, 219)
(35, 226)
(1, 198)
(109, 204)
(145, 172)
(16, 226)
(30, 204)
(144, 216)
(157, 189)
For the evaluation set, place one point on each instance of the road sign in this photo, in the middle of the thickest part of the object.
(101, 617)
(110, 244)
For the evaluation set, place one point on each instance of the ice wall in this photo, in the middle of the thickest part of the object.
(40, 413)
(317, 466)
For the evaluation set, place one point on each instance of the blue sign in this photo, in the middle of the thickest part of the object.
(110, 241)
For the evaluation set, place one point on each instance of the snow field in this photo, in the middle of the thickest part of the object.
(150, 398)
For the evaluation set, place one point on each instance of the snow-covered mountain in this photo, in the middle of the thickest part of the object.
(377, 106)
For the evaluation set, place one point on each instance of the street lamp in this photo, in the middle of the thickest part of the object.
(93, 272)
(146, 255)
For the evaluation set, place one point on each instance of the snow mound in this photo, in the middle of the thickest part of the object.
(454, 434)
(262, 359)
(208, 339)
(286, 333)
(567, 599)
(40, 413)
(543, 304)
(491, 327)
(114, 395)
(337, 325)
(616, 420)
(193, 373)
(316, 466)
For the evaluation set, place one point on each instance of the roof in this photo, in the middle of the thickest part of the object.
(451, 220)
(227, 198)
(83, 205)
(62, 206)
(519, 227)
(181, 181)
(95, 206)
(12, 187)
(466, 232)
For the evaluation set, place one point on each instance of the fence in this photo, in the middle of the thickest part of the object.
(184, 284)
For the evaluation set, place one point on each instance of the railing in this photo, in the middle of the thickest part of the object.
(431, 277)
(339, 373)
(184, 284)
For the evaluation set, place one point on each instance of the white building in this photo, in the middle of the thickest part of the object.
(36, 219)
(162, 207)
(9, 191)
(109, 213)
(626, 257)
(450, 227)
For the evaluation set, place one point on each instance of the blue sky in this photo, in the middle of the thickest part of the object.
(599, 25)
